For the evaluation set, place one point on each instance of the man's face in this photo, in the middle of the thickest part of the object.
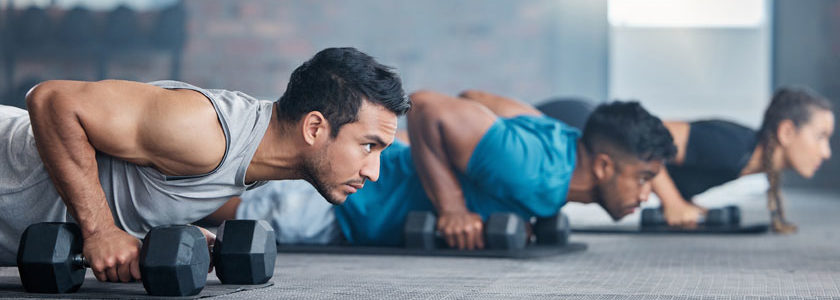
(623, 188)
(340, 166)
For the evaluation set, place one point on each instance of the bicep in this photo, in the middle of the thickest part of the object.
(137, 122)
(114, 114)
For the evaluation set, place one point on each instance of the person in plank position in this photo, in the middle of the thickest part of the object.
(471, 156)
(120, 157)
(794, 135)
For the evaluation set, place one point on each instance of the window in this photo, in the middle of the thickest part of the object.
(687, 13)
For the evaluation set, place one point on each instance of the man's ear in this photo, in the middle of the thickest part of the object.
(314, 127)
(603, 166)
(786, 132)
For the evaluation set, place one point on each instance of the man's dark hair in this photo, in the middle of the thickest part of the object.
(626, 128)
(335, 82)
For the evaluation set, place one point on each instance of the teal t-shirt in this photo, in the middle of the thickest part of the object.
(521, 165)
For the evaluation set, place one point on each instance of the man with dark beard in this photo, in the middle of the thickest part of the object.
(121, 157)
(470, 157)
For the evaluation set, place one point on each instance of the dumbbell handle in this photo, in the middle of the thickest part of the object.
(440, 235)
(79, 260)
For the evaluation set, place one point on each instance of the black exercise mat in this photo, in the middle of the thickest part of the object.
(10, 287)
(532, 251)
(741, 229)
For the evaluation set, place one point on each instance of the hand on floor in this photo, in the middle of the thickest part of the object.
(463, 230)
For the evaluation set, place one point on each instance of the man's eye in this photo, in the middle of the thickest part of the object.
(367, 147)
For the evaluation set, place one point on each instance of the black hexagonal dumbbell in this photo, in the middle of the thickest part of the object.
(173, 260)
(244, 252)
(652, 217)
(554, 230)
(50, 259)
(502, 231)
(505, 231)
(734, 214)
(727, 216)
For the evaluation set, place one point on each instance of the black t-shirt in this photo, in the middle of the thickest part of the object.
(716, 153)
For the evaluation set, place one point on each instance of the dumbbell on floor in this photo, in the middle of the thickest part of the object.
(727, 216)
(245, 252)
(554, 230)
(173, 260)
(502, 231)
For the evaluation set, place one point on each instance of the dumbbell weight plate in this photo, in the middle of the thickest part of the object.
(174, 261)
(45, 258)
(505, 231)
(652, 217)
(552, 231)
(419, 230)
(245, 252)
(734, 214)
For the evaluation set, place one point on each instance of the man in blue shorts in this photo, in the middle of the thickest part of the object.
(472, 156)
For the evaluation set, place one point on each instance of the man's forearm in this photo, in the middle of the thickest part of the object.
(439, 182)
(435, 171)
(70, 160)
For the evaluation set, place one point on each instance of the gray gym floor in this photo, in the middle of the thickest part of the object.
(801, 266)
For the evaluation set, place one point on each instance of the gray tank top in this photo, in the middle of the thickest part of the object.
(139, 197)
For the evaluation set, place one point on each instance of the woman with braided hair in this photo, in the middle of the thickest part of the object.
(794, 135)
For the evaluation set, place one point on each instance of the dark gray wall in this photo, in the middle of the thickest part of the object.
(806, 43)
(580, 56)
(530, 50)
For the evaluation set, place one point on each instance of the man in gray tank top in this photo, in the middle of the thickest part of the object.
(120, 157)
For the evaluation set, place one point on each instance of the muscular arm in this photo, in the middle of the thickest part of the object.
(499, 105)
(444, 132)
(136, 122)
(678, 211)
(666, 190)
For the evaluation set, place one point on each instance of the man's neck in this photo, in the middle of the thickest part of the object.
(279, 154)
(582, 185)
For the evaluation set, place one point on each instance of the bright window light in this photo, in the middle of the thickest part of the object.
(687, 13)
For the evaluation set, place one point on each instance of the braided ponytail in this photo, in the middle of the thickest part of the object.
(796, 105)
